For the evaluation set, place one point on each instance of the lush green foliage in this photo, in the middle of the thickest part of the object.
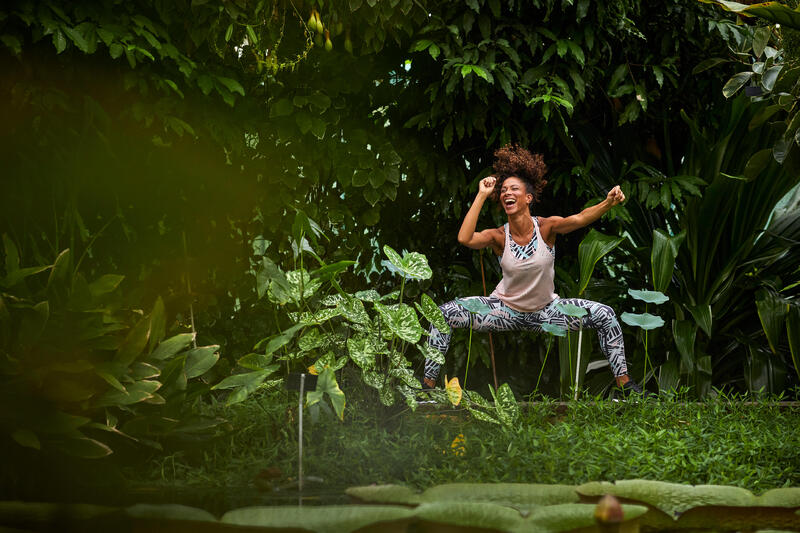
(83, 371)
(717, 442)
(186, 148)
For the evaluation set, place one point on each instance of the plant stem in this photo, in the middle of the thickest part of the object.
(469, 351)
(546, 352)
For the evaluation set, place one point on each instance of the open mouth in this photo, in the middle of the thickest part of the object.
(509, 202)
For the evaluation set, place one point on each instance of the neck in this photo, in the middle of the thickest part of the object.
(520, 223)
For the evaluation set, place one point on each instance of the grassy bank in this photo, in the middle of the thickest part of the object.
(717, 442)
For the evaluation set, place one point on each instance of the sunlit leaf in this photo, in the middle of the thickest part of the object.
(454, 391)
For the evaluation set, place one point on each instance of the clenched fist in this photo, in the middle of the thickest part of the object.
(615, 196)
(486, 185)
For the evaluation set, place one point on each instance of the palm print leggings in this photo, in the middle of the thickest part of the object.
(503, 318)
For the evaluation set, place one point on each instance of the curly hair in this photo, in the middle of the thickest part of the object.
(514, 161)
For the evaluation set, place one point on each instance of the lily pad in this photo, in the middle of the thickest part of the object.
(643, 320)
(651, 297)
(671, 498)
(169, 512)
(474, 305)
(385, 494)
(520, 495)
(470, 515)
(554, 329)
(572, 516)
(329, 519)
(571, 309)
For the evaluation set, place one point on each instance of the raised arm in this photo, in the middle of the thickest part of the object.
(561, 225)
(467, 234)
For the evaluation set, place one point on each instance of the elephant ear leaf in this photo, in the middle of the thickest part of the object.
(591, 249)
(327, 385)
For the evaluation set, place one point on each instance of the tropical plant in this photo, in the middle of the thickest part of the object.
(82, 372)
(331, 327)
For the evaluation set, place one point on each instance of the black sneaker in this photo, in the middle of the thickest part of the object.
(630, 387)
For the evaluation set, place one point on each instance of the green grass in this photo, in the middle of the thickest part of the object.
(717, 442)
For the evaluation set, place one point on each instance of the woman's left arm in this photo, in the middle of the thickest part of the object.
(561, 225)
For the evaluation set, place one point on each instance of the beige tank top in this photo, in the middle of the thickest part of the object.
(527, 284)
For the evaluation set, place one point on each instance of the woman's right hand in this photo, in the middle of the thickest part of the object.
(486, 185)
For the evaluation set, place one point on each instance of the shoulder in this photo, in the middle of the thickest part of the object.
(547, 227)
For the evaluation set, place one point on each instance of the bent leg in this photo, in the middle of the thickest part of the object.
(500, 318)
(601, 318)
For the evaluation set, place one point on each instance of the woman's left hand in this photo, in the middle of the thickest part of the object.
(615, 196)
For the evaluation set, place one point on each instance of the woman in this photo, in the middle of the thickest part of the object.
(525, 298)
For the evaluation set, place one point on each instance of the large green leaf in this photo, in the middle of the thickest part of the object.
(412, 265)
(554, 329)
(474, 305)
(571, 309)
(134, 343)
(793, 332)
(470, 515)
(685, 332)
(428, 308)
(244, 384)
(105, 284)
(326, 385)
(702, 316)
(169, 511)
(353, 310)
(200, 360)
(772, 311)
(135, 393)
(591, 249)
(169, 347)
(651, 297)
(772, 11)
(281, 339)
(401, 319)
(326, 519)
(431, 353)
(363, 351)
(662, 257)
(642, 320)
(327, 272)
(735, 83)
(505, 405)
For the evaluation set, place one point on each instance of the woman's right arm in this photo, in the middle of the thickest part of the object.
(467, 234)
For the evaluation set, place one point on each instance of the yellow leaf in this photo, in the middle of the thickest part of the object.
(313, 370)
(453, 389)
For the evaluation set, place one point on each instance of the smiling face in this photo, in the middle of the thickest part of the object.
(514, 196)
